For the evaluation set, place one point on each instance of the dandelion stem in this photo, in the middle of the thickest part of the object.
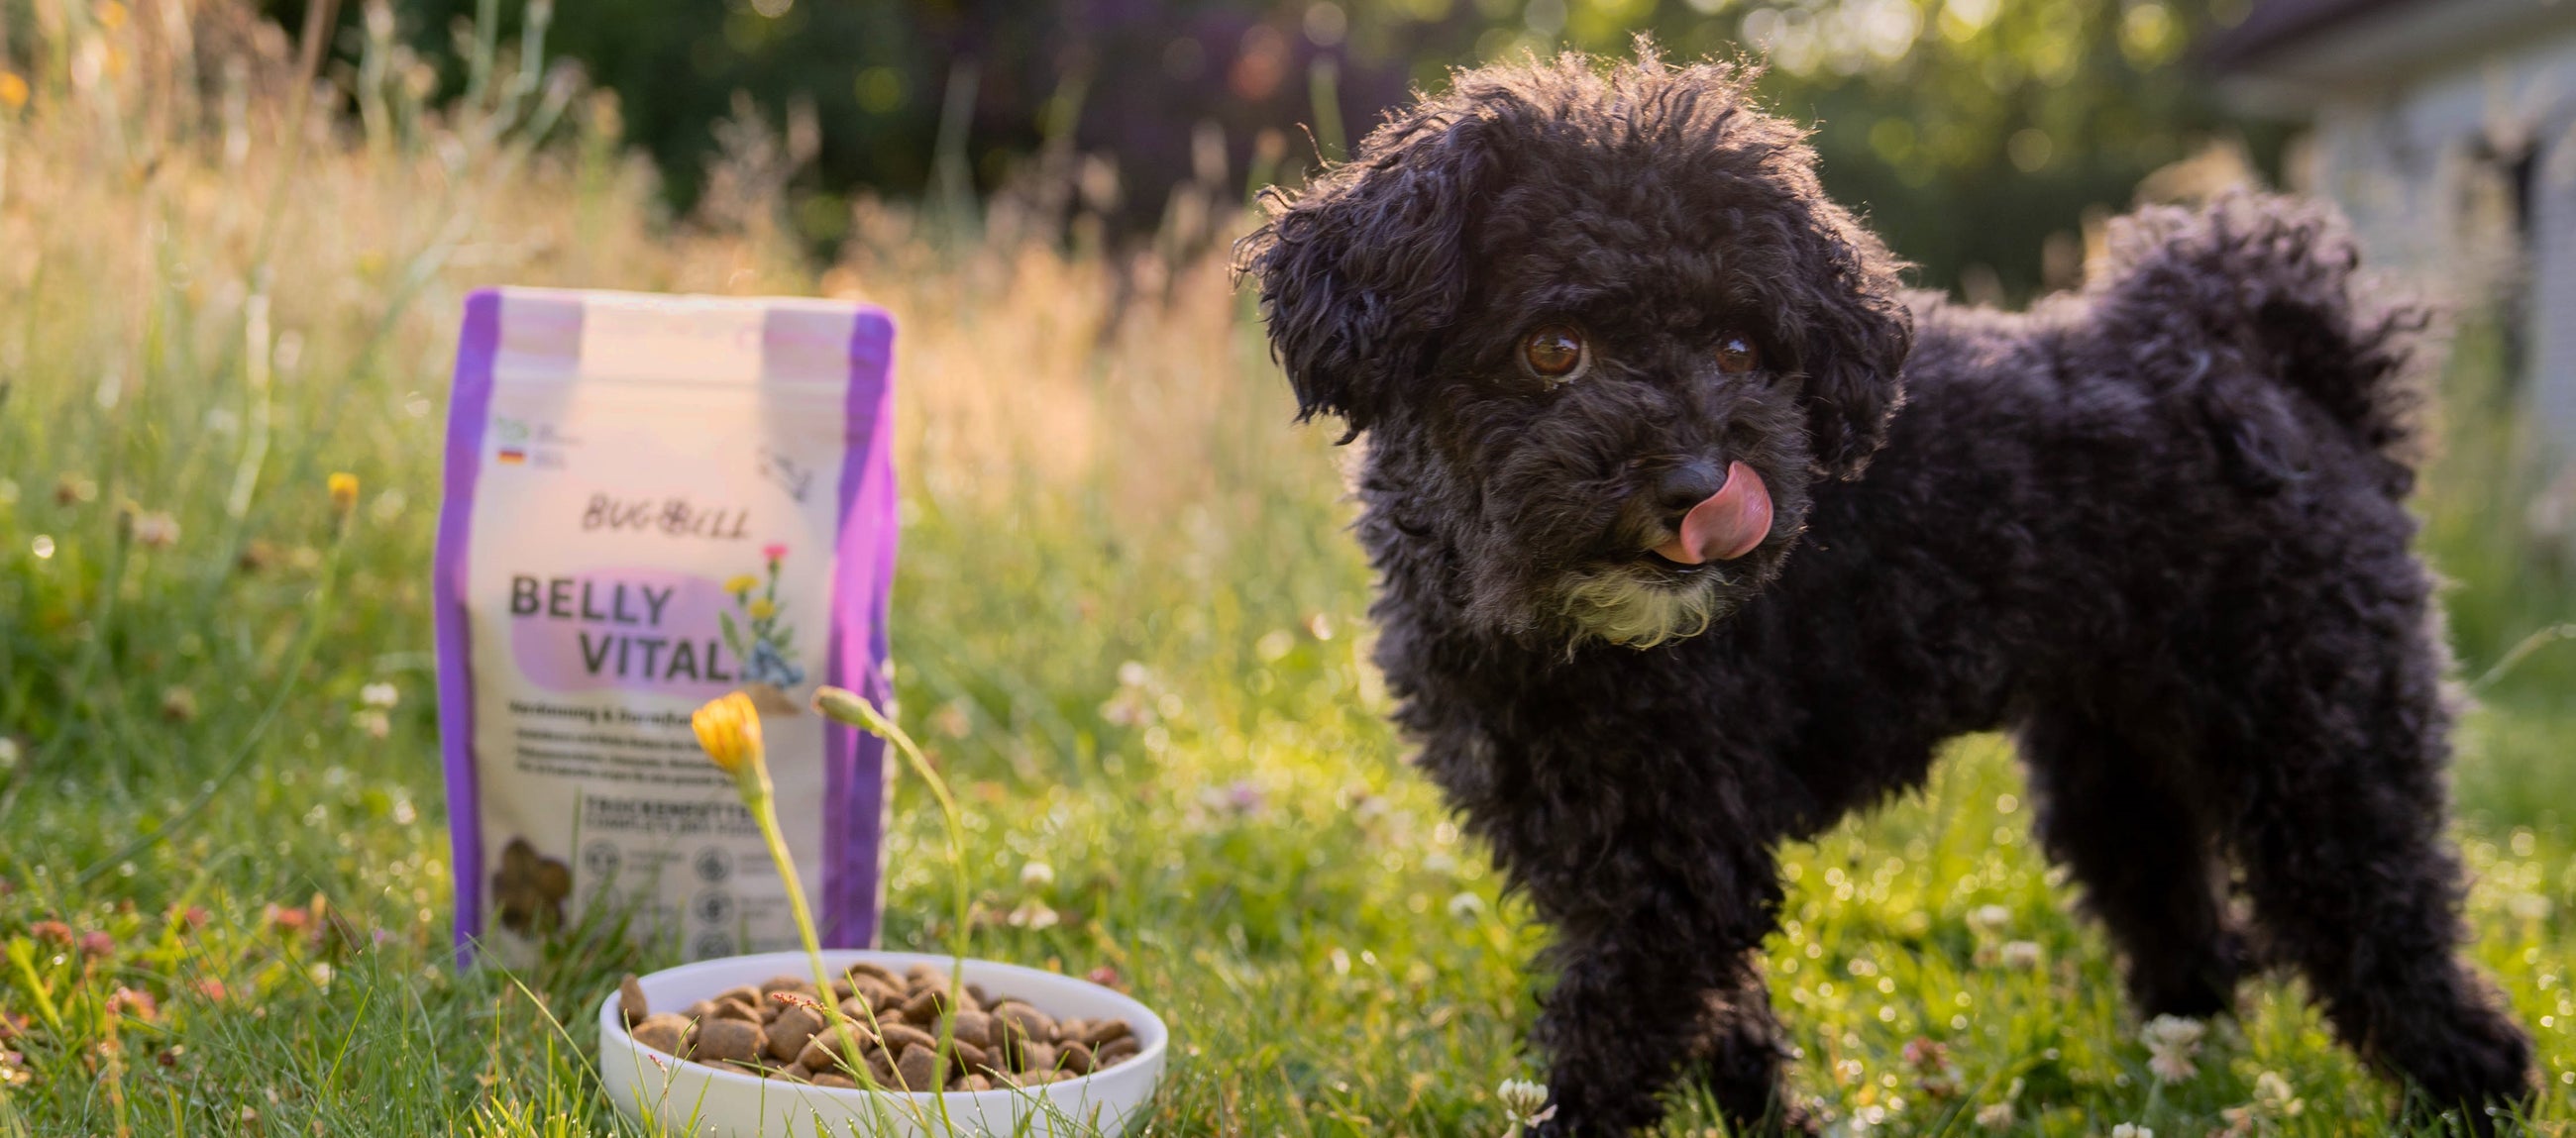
(848, 707)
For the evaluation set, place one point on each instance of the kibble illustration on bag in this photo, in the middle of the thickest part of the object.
(651, 501)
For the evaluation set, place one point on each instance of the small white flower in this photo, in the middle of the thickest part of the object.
(1996, 1116)
(1036, 875)
(2171, 1042)
(2274, 1098)
(1032, 914)
(1525, 1102)
(2020, 954)
(1465, 906)
(2131, 1130)
(380, 695)
(1988, 920)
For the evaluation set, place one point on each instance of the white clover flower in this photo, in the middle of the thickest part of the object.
(379, 695)
(2131, 1130)
(1036, 875)
(1995, 1116)
(1033, 914)
(1525, 1102)
(2274, 1098)
(2019, 954)
(1988, 920)
(2171, 1042)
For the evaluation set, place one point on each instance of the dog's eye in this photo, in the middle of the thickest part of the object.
(1553, 353)
(1736, 354)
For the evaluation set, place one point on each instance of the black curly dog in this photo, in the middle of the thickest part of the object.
(1695, 533)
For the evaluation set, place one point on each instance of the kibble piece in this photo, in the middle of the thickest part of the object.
(1037, 1024)
(701, 1010)
(841, 989)
(665, 1033)
(785, 983)
(974, 1027)
(926, 1006)
(899, 1037)
(1076, 1057)
(788, 1033)
(1037, 1057)
(736, 1012)
(819, 1054)
(977, 997)
(879, 972)
(729, 1040)
(918, 1069)
(921, 976)
(881, 1067)
(1071, 1030)
(836, 1079)
(971, 1057)
(630, 1000)
(876, 993)
(1123, 1047)
(978, 1083)
(746, 995)
(1107, 1031)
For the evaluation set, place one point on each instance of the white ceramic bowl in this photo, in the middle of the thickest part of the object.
(669, 1096)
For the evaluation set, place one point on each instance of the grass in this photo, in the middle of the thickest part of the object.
(1128, 626)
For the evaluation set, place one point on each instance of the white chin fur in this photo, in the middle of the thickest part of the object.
(1622, 608)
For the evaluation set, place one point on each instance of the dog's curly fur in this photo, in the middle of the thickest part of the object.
(2152, 528)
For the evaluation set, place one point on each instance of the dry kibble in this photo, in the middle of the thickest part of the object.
(1076, 1057)
(789, 1032)
(978, 1083)
(665, 1033)
(630, 1000)
(877, 992)
(881, 1067)
(977, 997)
(879, 972)
(1106, 1032)
(974, 1027)
(1036, 1023)
(899, 1037)
(792, 1074)
(1071, 1030)
(1037, 1057)
(1123, 1047)
(738, 1013)
(841, 989)
(701, 1010)
(925, 1005)
(729, 1040)
(921, 976)
(784, 983)
(745, 995)
(836, 1079)
(918, 1069)
(971, 1057)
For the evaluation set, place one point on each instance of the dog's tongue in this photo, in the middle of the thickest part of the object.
(1726, 526)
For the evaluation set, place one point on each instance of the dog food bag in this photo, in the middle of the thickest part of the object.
(652, 501)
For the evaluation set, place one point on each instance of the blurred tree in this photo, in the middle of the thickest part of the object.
(1976, 134)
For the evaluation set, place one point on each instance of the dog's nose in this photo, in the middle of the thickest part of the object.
(1681, 487)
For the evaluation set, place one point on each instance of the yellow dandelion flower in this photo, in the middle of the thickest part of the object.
(13, 91)
(344, 491)
(763, 609)
(729, 728)
(742, 583)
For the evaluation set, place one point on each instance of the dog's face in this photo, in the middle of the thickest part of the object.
(1603, 331)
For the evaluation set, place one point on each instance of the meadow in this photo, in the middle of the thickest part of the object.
(1128, 625)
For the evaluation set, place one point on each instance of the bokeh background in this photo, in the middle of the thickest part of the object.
(234, 243)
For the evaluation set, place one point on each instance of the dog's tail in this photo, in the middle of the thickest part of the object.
(2272, 285)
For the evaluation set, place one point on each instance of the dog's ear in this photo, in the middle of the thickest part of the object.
(1856, 335)
(1362, 272)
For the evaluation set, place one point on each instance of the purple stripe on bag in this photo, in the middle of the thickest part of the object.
(468, 413)
(862, 572)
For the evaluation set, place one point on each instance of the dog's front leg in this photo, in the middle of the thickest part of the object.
(1636, 963)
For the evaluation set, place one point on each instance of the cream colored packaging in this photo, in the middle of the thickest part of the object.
(651, 501)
